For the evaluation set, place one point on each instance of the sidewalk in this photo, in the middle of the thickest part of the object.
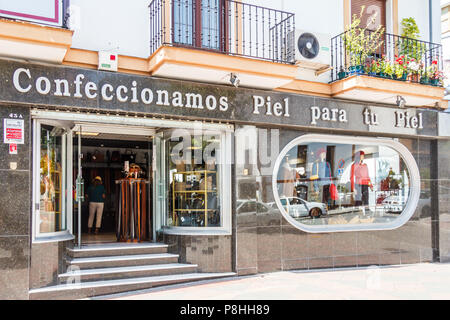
(421, 281)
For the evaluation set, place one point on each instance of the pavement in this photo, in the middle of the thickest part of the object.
(428, 281)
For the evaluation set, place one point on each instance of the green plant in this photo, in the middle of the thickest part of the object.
(410, 28)
(389, 69)
(400, 67)
(409, 45)
(360, 43)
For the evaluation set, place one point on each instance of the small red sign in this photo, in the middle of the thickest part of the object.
(13, 148)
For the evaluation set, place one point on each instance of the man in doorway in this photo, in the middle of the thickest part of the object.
(96, 195)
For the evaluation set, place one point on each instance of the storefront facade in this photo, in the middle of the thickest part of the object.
(284, 170)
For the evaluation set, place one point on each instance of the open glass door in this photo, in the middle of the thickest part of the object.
(159, 182)
(52, 179)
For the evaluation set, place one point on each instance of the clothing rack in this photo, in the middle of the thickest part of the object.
(133, 220)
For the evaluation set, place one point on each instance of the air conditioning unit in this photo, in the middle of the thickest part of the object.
(311, 50)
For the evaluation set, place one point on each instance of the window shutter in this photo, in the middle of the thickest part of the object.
(371, 7)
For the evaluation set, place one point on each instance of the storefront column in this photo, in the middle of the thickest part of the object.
(15, 195)
(443, 205)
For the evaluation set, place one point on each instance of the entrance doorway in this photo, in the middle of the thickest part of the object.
(113, 171)
(180, 190)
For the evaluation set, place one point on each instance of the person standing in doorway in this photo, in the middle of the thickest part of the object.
(96, 195)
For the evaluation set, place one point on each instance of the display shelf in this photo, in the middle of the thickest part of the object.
(201, 192)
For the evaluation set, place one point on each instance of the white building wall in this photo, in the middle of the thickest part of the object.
(419, 10)
(112, 25)
(124, 26)
(322, 16)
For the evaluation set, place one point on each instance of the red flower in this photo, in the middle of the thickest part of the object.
(434, 62)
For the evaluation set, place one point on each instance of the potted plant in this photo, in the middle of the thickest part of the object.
(382, 67)
(413, 67)
(373, 68)
(360, 43)
(436, 76)
(408, 44)
(425, 75)
(389, 70)
(400, 70)
(342, 73)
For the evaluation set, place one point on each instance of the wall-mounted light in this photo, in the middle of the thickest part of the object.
(401, 102)
(234, 80)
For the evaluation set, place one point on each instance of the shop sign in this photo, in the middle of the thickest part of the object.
(113, 92)
(13, 131)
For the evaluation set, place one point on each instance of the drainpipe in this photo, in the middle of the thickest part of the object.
(430, 13)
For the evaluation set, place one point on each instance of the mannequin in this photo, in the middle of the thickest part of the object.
(360, 180)
(321, 171)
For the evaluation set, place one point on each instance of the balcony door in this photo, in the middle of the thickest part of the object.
(374, 14)
(199, 23)
(373, 17)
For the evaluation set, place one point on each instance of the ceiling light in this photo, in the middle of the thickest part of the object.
(234, 80)
(94, 134)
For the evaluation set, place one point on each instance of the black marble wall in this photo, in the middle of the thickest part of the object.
(267, 242)
(15, 201)
(210, 253)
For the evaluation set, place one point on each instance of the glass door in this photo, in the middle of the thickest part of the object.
(198, 23)
(52, 179)
(159, 182)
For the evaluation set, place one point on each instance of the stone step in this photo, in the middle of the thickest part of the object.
(98, 288)
(121, 261)
(116, 249)
(100, 274)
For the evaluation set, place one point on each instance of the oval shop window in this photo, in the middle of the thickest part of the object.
(324, 183)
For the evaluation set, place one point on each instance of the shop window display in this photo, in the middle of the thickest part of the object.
(51, 205)
(194, 181)
(331, 184)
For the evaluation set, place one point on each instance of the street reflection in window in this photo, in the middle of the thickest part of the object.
(328, 183)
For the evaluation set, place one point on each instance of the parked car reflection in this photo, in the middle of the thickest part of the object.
(297, 207)
(394, 204)
(255, 212)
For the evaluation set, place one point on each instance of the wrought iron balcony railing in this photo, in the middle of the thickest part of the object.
(384, 55)
(224, 26)
(58, 15)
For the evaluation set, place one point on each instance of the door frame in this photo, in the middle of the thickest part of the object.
(67, 167)
(126, 125)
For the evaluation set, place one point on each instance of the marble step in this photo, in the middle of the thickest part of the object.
(121, 261)
(126, 272)
(99, 288)
(116, 249)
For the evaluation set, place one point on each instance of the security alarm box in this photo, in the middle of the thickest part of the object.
(107, 61)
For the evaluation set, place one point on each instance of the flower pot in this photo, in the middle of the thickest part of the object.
(424, 80)
(342, 75)
(414, 78)
(434, 82)
(401, 78)
(358, 69)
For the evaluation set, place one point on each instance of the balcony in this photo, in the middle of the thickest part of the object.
(35, 30)
(379, 67)
(207, 40)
